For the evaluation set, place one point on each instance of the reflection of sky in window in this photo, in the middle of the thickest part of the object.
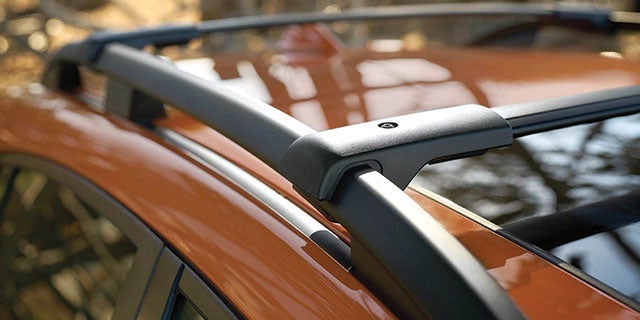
(578, 164)
(567, 139)
(624, 274)
(624, 127)
(590, 157)
(489, 188)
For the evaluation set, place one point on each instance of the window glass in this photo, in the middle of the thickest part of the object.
(544, 173)
(554, 174)
(185, 310)
(59, 259)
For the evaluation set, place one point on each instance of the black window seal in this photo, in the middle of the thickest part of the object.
(8, 189)
(163, 284)
(173, 277)
(203, 298)
(147, 243)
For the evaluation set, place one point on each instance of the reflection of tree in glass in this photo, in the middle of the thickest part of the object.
(544, 173)
(58, 257)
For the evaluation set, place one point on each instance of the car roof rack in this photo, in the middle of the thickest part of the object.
(550, 231)
(60, 74)
(400, 252)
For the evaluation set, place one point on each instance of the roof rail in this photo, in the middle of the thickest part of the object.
(419, 271)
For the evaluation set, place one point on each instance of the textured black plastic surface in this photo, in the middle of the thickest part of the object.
(261, 129)
(316, 162)
(61, 72)
(405, 256)
(550, 231)
(543, 115)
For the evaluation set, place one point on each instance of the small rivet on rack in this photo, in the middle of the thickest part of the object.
(388, 125)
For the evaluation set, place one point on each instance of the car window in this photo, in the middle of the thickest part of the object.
(59, 258)
(184, 309)
(590, 170)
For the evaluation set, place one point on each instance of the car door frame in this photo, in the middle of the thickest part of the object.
(174, 277)
(148, 245)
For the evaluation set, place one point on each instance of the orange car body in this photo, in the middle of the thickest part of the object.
(262, 265)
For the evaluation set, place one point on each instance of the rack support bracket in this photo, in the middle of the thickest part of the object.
(396, 147)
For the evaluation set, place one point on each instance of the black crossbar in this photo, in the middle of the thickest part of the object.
(553, 230)
(543, 115)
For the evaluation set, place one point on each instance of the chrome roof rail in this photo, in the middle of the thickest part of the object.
(399, 251)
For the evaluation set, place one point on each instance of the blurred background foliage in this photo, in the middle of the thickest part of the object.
(29, 29)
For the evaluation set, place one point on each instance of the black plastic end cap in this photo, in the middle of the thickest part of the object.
(397, 147)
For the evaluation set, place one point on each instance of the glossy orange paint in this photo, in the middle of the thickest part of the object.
(326, 89)
(541, 289)
(265, 267)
